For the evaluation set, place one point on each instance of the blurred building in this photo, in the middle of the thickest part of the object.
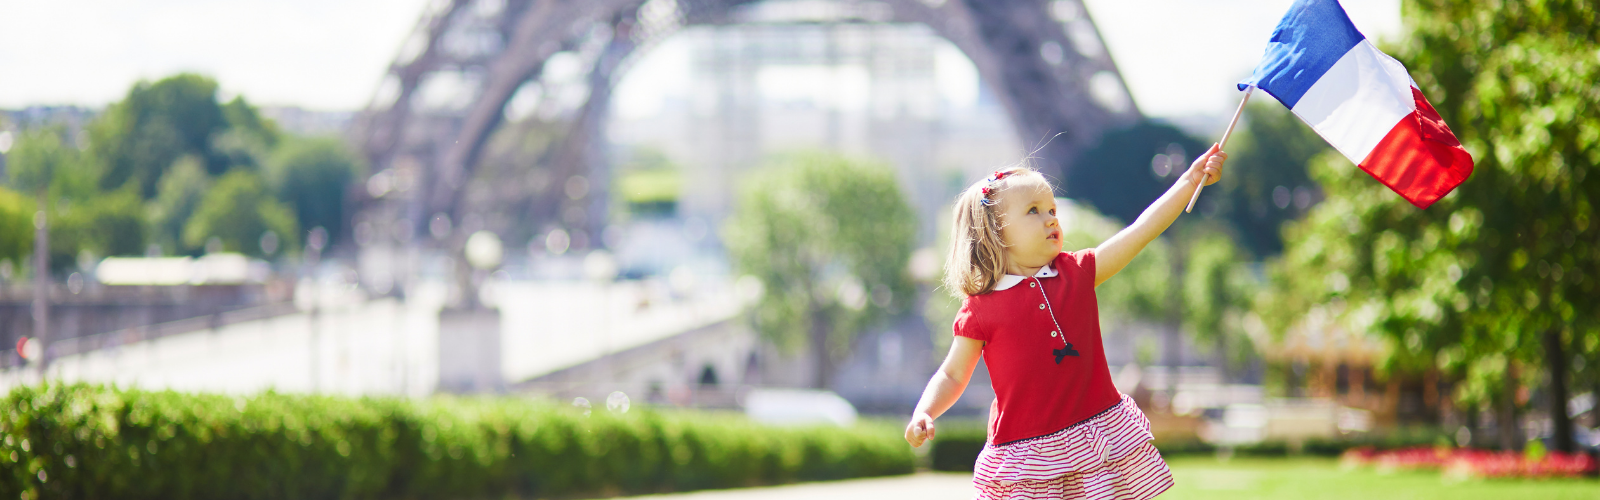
(782, 82)
(304, 121)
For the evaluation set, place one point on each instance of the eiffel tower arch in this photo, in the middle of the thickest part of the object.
(425, 131)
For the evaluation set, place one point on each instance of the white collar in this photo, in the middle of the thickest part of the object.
(1011, 280)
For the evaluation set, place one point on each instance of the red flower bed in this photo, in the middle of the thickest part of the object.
(1404, 458)
(1473, 463)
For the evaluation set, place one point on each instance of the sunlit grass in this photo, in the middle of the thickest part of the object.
(1317, 478)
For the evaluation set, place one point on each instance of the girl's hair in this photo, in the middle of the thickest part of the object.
(977, 257)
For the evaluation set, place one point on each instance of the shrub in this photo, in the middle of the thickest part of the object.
(82, 441)
(1184, 447)
(956, 451)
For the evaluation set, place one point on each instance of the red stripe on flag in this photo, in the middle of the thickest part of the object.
(1420, 159)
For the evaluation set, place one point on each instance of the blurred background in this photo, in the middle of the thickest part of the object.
(741, 206)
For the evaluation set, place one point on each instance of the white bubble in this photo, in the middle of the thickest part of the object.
(557, 242)
(484, 250)
(617, 402)
(749, 288)
(582, 403)
(851, 294)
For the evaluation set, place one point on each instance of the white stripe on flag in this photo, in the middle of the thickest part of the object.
(1355, 104)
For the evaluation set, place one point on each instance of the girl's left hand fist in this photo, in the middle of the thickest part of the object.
(1209, 165)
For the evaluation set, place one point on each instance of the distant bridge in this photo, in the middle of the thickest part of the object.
(354, 345)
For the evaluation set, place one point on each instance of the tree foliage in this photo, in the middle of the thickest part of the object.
(1141, 291)
(16, 226)
(1217, 288)
(238, 211)
(1267, 183)
(249, 137)
(147, 163)
(177, 197)
(1117, 177)
(137, 139)
(34, 160)
(1268, 180)
(82, 218)
(109, 223)
(311, 176)
(829, 238)
(1492, 273)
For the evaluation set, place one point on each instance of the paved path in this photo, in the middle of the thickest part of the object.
(922, 486)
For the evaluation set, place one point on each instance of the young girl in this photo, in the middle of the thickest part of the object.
(1057, 428)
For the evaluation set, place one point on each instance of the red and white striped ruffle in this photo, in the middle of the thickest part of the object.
(1106, 457)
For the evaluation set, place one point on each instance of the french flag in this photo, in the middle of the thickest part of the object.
(1361, 101)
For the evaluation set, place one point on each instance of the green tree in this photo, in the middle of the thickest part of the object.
(16, 226)
(1117, 177)
(177, 197)
(1218, 286)
(32, 167)
(829, 238)
(1268, 157)
(249, 138)
(647, 184)
(137, 139)
(109, 223)
(1268, 180)
(1195, 282)
(1495, 283)
(238, 211)
(82, 218)
(312, 175)
(1141, 291)
(34, 160)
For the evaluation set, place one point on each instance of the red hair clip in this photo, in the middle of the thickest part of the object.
(997, 175)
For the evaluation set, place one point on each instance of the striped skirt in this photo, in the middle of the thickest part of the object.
(1105, 457)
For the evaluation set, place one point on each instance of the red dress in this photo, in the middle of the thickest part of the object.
(1058, 427)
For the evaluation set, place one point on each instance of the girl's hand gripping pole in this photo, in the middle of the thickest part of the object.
(1221, 145)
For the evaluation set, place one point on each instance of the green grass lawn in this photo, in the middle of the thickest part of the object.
(1203, 478)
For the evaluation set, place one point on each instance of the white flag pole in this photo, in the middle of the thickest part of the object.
(1223, 144)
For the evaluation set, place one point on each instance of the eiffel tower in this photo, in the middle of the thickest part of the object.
(448, 90)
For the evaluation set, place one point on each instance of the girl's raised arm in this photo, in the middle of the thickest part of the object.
(946, 387)
(1115, 253)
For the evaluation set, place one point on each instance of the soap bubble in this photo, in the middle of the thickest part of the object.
(617, 402)
(582, 403)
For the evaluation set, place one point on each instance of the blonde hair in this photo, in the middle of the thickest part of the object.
(977, 256)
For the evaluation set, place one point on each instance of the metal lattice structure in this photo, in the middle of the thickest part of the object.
(450, 87)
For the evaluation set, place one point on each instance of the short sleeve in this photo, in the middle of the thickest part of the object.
(1079, 263)
(966, 324)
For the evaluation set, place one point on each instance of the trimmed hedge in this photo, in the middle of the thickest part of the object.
(956, 447)
(82, 441)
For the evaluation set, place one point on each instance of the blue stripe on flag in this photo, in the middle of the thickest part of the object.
(1309, 39)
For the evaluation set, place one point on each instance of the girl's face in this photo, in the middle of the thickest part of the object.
(1029, 227)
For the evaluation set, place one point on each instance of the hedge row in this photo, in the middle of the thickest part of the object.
(81, 441)
(957, 445)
